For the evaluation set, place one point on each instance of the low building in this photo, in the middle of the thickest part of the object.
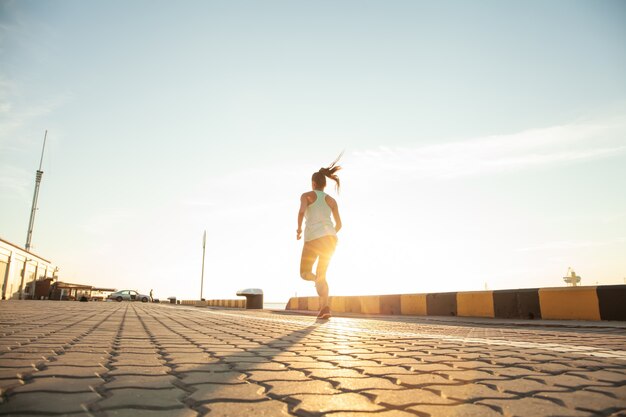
(24, 275)
(66, 291)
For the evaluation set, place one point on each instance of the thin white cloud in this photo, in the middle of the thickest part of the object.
(502, 153)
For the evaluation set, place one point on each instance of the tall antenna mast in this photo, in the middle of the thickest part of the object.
(38, 176)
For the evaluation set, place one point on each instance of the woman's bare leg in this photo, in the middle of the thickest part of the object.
(326, 252)
(322, 291)
(309, 256)
(323, 248)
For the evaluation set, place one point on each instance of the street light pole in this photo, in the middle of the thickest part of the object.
(203, 252)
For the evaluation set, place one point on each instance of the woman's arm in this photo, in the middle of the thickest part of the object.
(304, 203)
(337, 218)
(334, 207)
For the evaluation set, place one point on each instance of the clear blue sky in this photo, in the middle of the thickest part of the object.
(485, 141)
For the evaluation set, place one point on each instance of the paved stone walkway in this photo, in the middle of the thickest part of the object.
(133, 359)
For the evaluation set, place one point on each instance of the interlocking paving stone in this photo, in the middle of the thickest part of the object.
(430, 358)
(21, 363)
(105, 351)
(470, 376)
(60, 384)
(584, 400)
(208, 367)
(244, 359)
(473, 365)
(34, 349)
(353, 384)
(311, 365)
(26, 355)
(515, 372)
(266, 366)
(224, 352)
(332, 373)
(361, 364)
(294, 358)
(11, 373)
(432, 367)
(420, 380)
(189, 357)
(142, 397)
(337, 402)
(531, 407)
(286, 356)
(384, 370)
(457, 410)
(409, 362)
(315, 353)
(615, 392)
(223, 361)
(140, 350)
(582, 362)
(509, 361)
(473, 356)
(71, 371)
(408, 397)
(141, 381)
(378, 356)
(145, 361)
(277, 376)
(534, 355)
(339, 359)
(468, 392)
(44, 402)
(522, 386)
(258, 409)
(137, 412)
(9, 383)
(601, 376)
(354, 350)
(285, 388)
(81, 358)
(390, 413)
(213, 377)
(138, 370)
(220, 392)
(551, 368)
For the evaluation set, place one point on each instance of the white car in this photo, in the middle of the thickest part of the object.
(129, 295)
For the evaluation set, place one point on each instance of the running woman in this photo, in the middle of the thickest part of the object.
(320, 235)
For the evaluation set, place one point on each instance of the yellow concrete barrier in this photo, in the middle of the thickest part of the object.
(475, 304)
(238, 303)
(413, 304)
(605, 302)
(572, 303)
(370, 304)
(338, 304)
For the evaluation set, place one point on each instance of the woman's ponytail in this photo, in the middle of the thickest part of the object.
(320, 176)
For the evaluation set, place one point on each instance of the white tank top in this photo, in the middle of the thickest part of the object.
(318, 222)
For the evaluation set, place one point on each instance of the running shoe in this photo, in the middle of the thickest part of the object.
(324, 313)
